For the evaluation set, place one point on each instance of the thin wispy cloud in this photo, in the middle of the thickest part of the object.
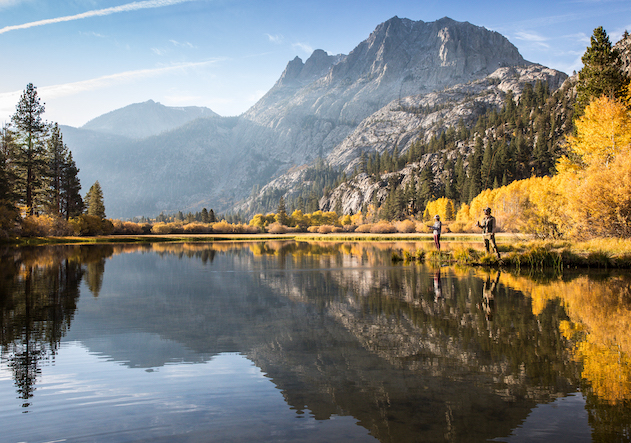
(67, 89)
(92, 34)
(532, 37)
(7, 3)
(304, 47)
(182, 45)
(275, 38)
(578, 37)
(135, 6)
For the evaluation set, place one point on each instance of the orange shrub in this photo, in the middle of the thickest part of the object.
(405, 226)
(423, 228)
(383, 228)
(365, 228)
(45, 226)
(277, 228)
(461, 226)
(198, 228)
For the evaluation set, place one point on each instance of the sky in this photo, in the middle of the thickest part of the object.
(90, 57)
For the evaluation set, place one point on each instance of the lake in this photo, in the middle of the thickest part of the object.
(313, 342)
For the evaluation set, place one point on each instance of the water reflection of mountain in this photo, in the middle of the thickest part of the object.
(341, 331)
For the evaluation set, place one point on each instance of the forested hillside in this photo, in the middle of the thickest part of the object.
(522, 137)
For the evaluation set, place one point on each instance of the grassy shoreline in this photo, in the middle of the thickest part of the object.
(517, 251)
(156, 238)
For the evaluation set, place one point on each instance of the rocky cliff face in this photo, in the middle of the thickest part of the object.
(624, 46)
(315, 109)
(314, 106)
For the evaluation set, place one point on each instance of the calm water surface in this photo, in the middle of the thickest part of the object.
(305, 342)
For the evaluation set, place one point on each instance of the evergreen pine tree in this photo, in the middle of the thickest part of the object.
(411, 197)
(57, 154)
(400, 204)
(338, 207)
(94, 202)
(461, 178)
(387, 209)
(601, 74)
(363, 164)
(281, 213)
(71, 201)
(427, 191)
(30, 160)
(474, 177)
(7, 173)
(211, 216)
(522, 157)
(486, 168)
(205, 218)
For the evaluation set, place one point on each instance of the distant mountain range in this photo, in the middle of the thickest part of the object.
(151, 158)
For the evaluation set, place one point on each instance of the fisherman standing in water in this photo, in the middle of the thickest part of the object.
(437, 229)
(488, 231)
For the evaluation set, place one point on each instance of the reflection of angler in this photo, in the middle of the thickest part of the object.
(488, 296)
(438, 293)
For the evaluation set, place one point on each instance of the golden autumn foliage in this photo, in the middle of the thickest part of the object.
(589, 197)
(598, 183)
(443, 207)
(603, 132)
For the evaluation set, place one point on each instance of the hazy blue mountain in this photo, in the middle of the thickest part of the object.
(142, 120)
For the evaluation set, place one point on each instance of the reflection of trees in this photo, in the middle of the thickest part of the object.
(38, 297)
(599, 310)
(599, 327)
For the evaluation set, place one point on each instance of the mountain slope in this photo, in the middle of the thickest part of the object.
(400, 58)
(308, 113)
(399, 126)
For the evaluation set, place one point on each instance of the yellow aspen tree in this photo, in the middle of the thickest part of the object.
(602, 132)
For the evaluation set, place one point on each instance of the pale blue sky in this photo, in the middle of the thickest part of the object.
(89, 57)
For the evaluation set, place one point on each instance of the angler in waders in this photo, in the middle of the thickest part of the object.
(488, 231)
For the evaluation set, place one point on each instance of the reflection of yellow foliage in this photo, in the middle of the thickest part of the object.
(600, 314)
(607, 369)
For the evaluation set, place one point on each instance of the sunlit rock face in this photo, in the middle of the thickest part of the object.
(315, 105)
(399, 124)
(624, 47)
